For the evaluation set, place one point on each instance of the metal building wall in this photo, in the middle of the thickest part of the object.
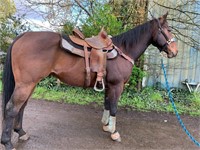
(187, 63)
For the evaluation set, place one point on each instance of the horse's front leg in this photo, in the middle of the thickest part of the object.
(106, 112)
(112, 95)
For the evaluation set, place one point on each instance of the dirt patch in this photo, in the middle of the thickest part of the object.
(57, 126)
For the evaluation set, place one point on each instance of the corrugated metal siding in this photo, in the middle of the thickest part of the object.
(187, 63)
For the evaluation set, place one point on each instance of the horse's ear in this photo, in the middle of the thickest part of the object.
(165, 15)
(163, 18)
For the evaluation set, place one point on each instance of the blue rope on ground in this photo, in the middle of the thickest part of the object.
(175, 109)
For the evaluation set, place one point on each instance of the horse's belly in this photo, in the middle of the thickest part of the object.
(75, 74)
(76, 79)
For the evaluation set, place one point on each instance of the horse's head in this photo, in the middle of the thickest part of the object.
(163, 39)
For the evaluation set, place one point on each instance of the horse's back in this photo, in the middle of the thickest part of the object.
(36, 41)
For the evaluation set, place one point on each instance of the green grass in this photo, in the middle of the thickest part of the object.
(70, 95)
(149, 99)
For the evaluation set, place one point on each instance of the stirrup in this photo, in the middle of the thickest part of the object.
(97, 89)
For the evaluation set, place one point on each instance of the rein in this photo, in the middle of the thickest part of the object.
(174, 107)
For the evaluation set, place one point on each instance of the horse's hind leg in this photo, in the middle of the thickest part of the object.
(18, 99)
(18, 124)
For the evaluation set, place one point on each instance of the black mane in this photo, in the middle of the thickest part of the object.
(128, 39)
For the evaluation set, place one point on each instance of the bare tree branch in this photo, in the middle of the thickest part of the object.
(82, 7)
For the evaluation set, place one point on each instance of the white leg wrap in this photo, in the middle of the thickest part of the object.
(105, 118)
(111, 127)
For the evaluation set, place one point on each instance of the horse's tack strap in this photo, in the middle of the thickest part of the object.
(87, 78)
(124, 55)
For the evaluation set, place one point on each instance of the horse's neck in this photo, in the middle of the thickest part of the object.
(139, 48)
(132, 46)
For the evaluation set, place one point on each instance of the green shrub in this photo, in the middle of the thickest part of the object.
(48, 82)
(137, 76)
(102, 17)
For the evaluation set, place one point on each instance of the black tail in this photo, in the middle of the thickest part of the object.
(8, 78)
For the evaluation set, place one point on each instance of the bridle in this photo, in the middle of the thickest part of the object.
(168, 40)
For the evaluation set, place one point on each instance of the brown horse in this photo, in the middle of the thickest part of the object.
(35, 55)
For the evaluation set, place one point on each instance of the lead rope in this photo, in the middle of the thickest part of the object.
(174, 107)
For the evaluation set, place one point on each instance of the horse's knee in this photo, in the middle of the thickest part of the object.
(106, 104)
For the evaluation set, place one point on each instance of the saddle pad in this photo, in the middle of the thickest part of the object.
(70, 48)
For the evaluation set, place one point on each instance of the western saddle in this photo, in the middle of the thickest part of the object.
(99, 46)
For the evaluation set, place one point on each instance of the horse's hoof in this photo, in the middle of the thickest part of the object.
(24, 137)
(106, 128)
(116, 136)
